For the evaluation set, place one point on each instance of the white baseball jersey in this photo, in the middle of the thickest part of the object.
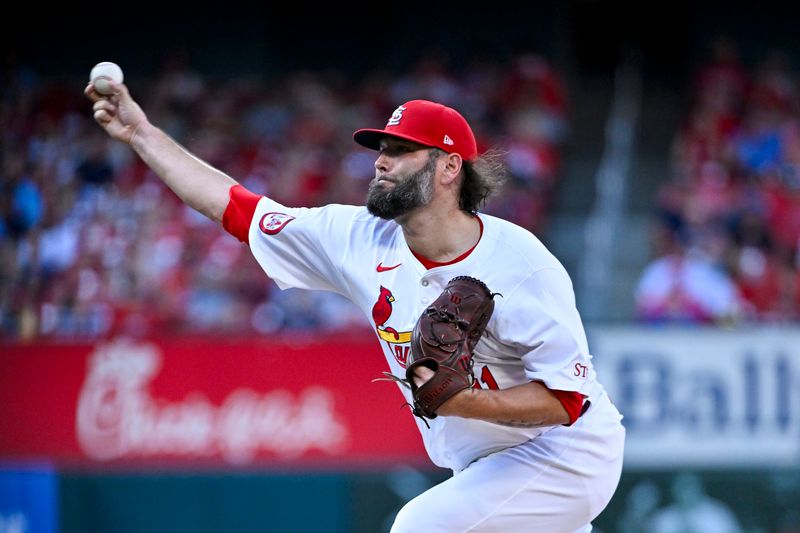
(535, 332)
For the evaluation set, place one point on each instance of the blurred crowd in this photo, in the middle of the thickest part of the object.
(93, 245)
(729, 216)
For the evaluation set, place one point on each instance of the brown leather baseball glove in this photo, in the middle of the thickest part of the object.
(443, 340)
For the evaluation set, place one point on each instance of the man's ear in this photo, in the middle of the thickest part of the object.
(452, 168)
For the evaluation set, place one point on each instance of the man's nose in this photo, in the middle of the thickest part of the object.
(382, 163)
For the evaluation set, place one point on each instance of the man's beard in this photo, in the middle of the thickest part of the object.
(415, 190)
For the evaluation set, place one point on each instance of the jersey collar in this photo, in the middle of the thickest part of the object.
(428, 264)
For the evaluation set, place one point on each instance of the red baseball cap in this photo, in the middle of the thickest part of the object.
(428, 123)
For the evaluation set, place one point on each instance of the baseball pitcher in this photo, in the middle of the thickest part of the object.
(476, 318)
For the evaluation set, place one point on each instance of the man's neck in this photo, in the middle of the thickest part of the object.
(440, 235)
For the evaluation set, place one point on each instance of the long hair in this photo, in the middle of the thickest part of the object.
(483, 178)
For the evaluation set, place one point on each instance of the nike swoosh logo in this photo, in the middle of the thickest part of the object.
(381, 268)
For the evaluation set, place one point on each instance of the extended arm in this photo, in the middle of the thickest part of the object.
(198, 184)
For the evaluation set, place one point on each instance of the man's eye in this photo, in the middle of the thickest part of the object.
(395, 150)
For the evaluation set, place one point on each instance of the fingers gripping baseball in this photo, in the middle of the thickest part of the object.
(117, 113)
(104, 111)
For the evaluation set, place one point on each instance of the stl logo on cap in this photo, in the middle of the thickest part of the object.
(394, 120)
(426, 123)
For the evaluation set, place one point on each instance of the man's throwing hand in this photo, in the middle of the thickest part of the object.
(117, 113)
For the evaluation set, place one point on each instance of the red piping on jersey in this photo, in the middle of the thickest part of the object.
(428, 264)
(239, 213)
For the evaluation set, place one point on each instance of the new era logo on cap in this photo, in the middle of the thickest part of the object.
(428, 123)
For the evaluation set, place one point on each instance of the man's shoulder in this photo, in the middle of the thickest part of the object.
(361, 227)
(331, 219)
(344, 213)
(509, 228)
(341, 209)
(367, 221)
(516, 240)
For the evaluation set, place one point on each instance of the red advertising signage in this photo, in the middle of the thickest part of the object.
(195, 401)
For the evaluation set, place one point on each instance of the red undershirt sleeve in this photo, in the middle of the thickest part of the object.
(239, 213)
(572, 402)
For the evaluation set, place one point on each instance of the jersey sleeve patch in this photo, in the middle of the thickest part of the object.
(239, 213)
(272, 223)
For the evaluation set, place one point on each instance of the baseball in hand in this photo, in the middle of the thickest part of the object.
(102, 73)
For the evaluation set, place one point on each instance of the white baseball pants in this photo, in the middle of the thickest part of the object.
(556, 483)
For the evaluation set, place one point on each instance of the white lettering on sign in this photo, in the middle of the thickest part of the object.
(703, 397)
(117, 417)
